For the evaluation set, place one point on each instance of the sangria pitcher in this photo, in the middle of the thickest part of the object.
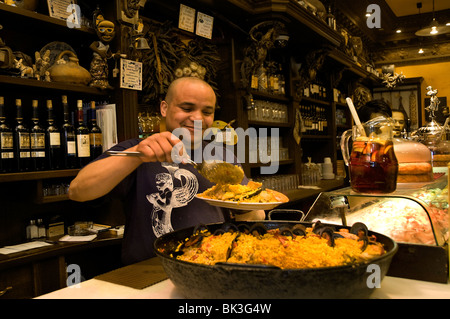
(372, 163)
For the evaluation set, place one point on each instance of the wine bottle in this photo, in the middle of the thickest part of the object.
(53, 140)
(21, 141)
(82, 136)
(95, 134)
(37, 140)
(69, 145)
(6, 142)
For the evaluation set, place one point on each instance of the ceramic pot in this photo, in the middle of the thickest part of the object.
(69, 71)
(27, 4)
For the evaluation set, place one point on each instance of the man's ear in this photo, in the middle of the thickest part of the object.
(163, 108)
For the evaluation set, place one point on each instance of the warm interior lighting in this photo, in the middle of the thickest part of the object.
(368, 14)
(448, 24)
(398, 31)
(434, 30)
(420, 51)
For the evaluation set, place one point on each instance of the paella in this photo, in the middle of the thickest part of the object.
(250, 193)
(297, 247)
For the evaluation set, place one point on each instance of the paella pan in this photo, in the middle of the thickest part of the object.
(231, 279)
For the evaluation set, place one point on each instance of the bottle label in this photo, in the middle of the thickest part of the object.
(55, 139)
(71, 148)
(24, 154)
(96, 139)
(83, 145)
(254, 82)
(37, 140)
(37, 154)
(24, 140)
(7, 155)
(6, 140)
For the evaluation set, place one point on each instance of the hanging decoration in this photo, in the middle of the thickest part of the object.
(169, 58)
(391, 81)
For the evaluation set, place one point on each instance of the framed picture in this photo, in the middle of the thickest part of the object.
(406, 95)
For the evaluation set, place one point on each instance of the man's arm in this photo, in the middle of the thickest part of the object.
(100, 177)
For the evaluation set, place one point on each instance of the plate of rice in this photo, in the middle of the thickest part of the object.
(243, 197)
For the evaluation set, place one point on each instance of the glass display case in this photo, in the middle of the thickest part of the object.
(415, 216)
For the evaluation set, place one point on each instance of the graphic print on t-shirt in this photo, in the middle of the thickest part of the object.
(169, 197)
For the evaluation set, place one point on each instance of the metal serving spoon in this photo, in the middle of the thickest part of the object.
(218, 172)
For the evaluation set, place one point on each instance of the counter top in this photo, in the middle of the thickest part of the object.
(96, 288)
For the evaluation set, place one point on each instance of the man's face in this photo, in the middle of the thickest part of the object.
(399, 123)
(192, 102)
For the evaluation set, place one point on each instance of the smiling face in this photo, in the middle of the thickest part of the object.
(399, 125)
(189, 101)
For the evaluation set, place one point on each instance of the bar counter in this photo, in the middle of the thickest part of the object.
(118, 284)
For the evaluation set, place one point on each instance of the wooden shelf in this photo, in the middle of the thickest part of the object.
(15, 14)
(17, 81)
(28, 176)
(269, 124)
(283, 162)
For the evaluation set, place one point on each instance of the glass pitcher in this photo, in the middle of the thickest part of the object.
(372, 163)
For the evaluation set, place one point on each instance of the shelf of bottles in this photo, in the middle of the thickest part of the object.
(148, 123)
(314, 108)
(27, 145)
(269, 112)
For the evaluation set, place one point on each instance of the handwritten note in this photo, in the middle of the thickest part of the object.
(186, 20)
(130, 74)
(204, 25)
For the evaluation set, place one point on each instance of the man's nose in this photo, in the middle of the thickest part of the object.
(196, 115)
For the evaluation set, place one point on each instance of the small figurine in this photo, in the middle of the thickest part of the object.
(41, 64)
(434, 101)
(99, 64)
(25, 70)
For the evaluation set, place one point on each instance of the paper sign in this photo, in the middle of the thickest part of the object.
(61, 9)
(186, 20)
(130, 74)
(204, 25)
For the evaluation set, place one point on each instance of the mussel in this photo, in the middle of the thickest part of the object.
(250, 194)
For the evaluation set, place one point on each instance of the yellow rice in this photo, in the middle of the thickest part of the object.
(309, 251)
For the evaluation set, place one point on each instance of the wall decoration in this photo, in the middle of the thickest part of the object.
(130, 74)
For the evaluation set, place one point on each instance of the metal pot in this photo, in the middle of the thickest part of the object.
(250, 281)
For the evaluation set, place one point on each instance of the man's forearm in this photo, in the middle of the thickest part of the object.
(100, 177)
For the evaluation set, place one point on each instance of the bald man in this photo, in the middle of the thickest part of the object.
(158, 192)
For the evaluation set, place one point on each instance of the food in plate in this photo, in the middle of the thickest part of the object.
(250, 193)
(286, 248)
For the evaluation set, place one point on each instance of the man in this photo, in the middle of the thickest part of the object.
(159, 194)
(400, 121)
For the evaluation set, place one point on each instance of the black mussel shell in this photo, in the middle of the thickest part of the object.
(243, 228)
(258, 229)
(327, 233)
(230, 227)
(286, 231)
(299, 230)
(359, 229)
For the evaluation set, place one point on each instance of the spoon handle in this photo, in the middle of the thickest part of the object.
(124, 153)
(185, 159)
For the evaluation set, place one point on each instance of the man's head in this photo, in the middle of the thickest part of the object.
(189, 100)
(399, 122)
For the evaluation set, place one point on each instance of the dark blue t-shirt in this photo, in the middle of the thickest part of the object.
(159, 198)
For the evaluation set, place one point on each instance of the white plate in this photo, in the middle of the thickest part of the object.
(240, 205)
